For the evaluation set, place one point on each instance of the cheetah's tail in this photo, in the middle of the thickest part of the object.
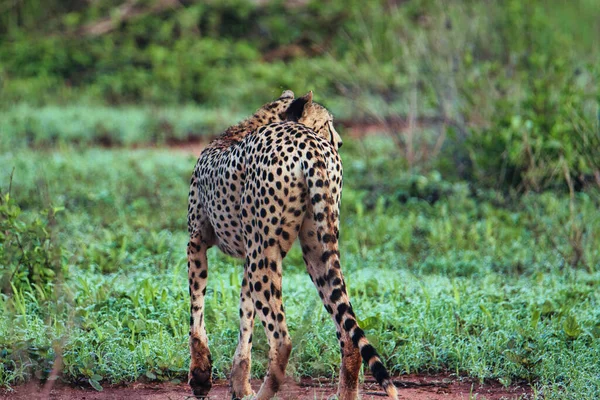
(380, 373)
(322, 205)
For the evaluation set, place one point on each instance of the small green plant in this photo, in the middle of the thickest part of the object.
(28, 250)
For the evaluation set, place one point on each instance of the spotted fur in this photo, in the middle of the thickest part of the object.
(275, 177)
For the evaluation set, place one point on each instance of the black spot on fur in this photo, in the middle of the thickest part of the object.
(335, 295)
(349, 324)
(358, 334)
(368, 352)
(379, 372)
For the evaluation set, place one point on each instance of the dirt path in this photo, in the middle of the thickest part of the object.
(353, 129)
(411, 387)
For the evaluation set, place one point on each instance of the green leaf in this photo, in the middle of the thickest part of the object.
(487, 313)
(369, 322)
(95, 384)
(548, 308)
(512, 356)
(96, 377)
(535, 318)
(150, 375)
(554, 144)
(456, 293)
(596, 331)
(372, 286)
(571, 327)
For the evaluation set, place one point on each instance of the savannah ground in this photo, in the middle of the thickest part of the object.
(470, 234)
(413, 387)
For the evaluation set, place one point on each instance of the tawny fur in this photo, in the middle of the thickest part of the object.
(274, 177)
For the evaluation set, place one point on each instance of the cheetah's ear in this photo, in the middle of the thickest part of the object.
(294, 112)
(308, 96)
(287, 94)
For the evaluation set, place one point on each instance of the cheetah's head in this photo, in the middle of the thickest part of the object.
(314, 116)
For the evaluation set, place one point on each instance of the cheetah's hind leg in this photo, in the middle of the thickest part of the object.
(199, 377)
(242, 361)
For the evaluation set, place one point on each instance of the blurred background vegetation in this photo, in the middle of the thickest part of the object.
(471, 231)
(514, 84)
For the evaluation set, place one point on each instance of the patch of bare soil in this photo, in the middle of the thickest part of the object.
(361, 128)
(410, 387)
(356, 129)
(193, 147)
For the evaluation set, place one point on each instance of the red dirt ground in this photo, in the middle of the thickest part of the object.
(410, 387)
(354, 129)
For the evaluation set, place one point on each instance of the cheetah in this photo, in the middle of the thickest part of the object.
(274, 177)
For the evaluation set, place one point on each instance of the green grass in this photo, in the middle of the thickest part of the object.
(474, 283)
(24, 126)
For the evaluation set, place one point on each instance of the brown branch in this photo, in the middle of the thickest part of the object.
(575, 233)
(23, 258)
(12, 173)
(54, 373)
(411, 384)
(125, 12)
(8, 5)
